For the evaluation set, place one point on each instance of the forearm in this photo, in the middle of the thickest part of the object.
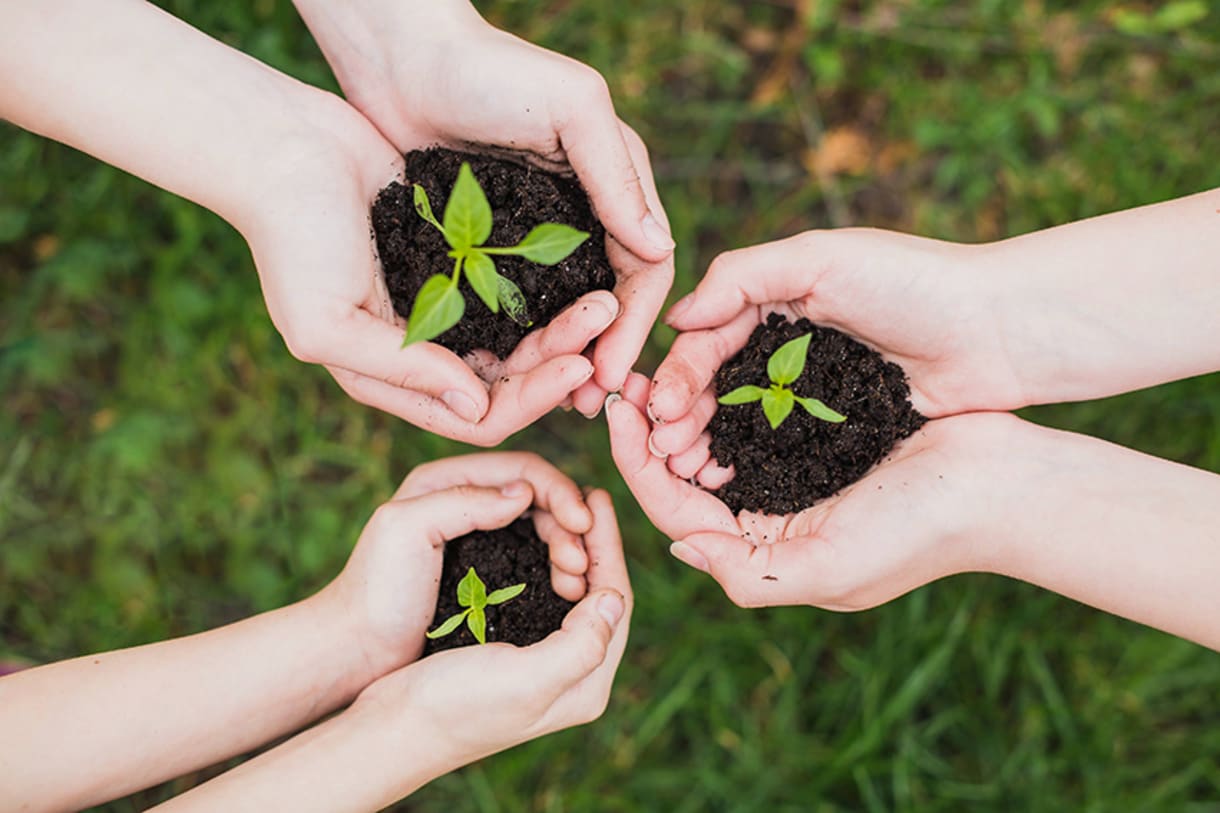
(353, 35)
(137, 88)
(1116, 529)
(1111, 304)
(102, 726)
(364, 759)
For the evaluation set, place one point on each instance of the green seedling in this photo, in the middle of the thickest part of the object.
(467, 224)
(472, 594)
(785, 366)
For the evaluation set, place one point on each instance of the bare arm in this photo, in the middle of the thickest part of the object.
(1111, 304)
(103, 726)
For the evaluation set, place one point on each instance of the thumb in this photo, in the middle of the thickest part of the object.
(572, 653)
(373, 348)
(752, 575)
(596, 147)
(452, 512)
(783, 271)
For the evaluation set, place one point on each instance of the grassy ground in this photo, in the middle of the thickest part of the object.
(166, 466)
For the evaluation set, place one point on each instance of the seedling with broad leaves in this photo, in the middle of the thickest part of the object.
(472, 594)
(467, 225)
(785, 366)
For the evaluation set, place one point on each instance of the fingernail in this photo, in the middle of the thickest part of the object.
(610, 399)
(461, 404)
(596, 411)
(679, 309)
(609, 304)
(689, 556)
(610, 607)
(655, 233)
(652, 447)
(652, 416)
(516, 488)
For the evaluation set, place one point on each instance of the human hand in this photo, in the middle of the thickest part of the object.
(920, 515)
(388, 589)
(517, 694)
(924, 304)
(426, 73)
(326, 294)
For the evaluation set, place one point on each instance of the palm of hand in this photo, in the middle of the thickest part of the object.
(854, 550)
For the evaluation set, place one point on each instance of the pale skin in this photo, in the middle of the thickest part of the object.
(295, 169)
(102, 726)
(1091, 309)
(466, 82)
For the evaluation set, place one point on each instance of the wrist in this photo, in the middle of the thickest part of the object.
(363, 40)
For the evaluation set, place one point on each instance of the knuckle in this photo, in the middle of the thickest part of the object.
(590, 83)
(307, 347)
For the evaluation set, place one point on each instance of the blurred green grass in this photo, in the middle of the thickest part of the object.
(166, 466)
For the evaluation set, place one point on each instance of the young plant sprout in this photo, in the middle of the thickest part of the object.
(472, 594)
(785, 366)
(467, 224)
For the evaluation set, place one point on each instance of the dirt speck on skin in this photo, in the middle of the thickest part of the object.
(502, 557)
(786, 470)
(521, 197)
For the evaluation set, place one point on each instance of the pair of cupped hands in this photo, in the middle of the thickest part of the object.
(922, 303)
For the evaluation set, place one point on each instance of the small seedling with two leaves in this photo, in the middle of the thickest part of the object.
(467, 225)
(472, 594)
(785, 366)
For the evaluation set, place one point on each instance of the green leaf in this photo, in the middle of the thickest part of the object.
(777, 405)
(438, 307)
(513, 301)
(548, 243)
(467, 214)
(819, 410)
(505, 593)
(423, 207)
(471, 591)
(451, 623)
(481, 272)
(478, 625)
(1180, 14)
(788, 362)
(742, 395)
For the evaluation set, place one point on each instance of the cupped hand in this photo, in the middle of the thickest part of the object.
(388, 589)
(327, 296)
(516, 694)
(920, 515)
(437, 73)
(925, 304)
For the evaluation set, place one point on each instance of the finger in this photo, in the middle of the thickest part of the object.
(636, 389)
(641, 287)
(677, 508)
(782, 271)
(712, 476)
(754, 576)
(567, 554)
(447, 514)
(688, 463)
(588, 129)
(515, 403)
(573, 652)
(554, 492)
(568, 333)
(372, 347)
(604, 546)
(691, 364)
(677, 436)
(589, 397)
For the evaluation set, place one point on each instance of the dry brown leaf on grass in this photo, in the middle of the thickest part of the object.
(844, 150)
